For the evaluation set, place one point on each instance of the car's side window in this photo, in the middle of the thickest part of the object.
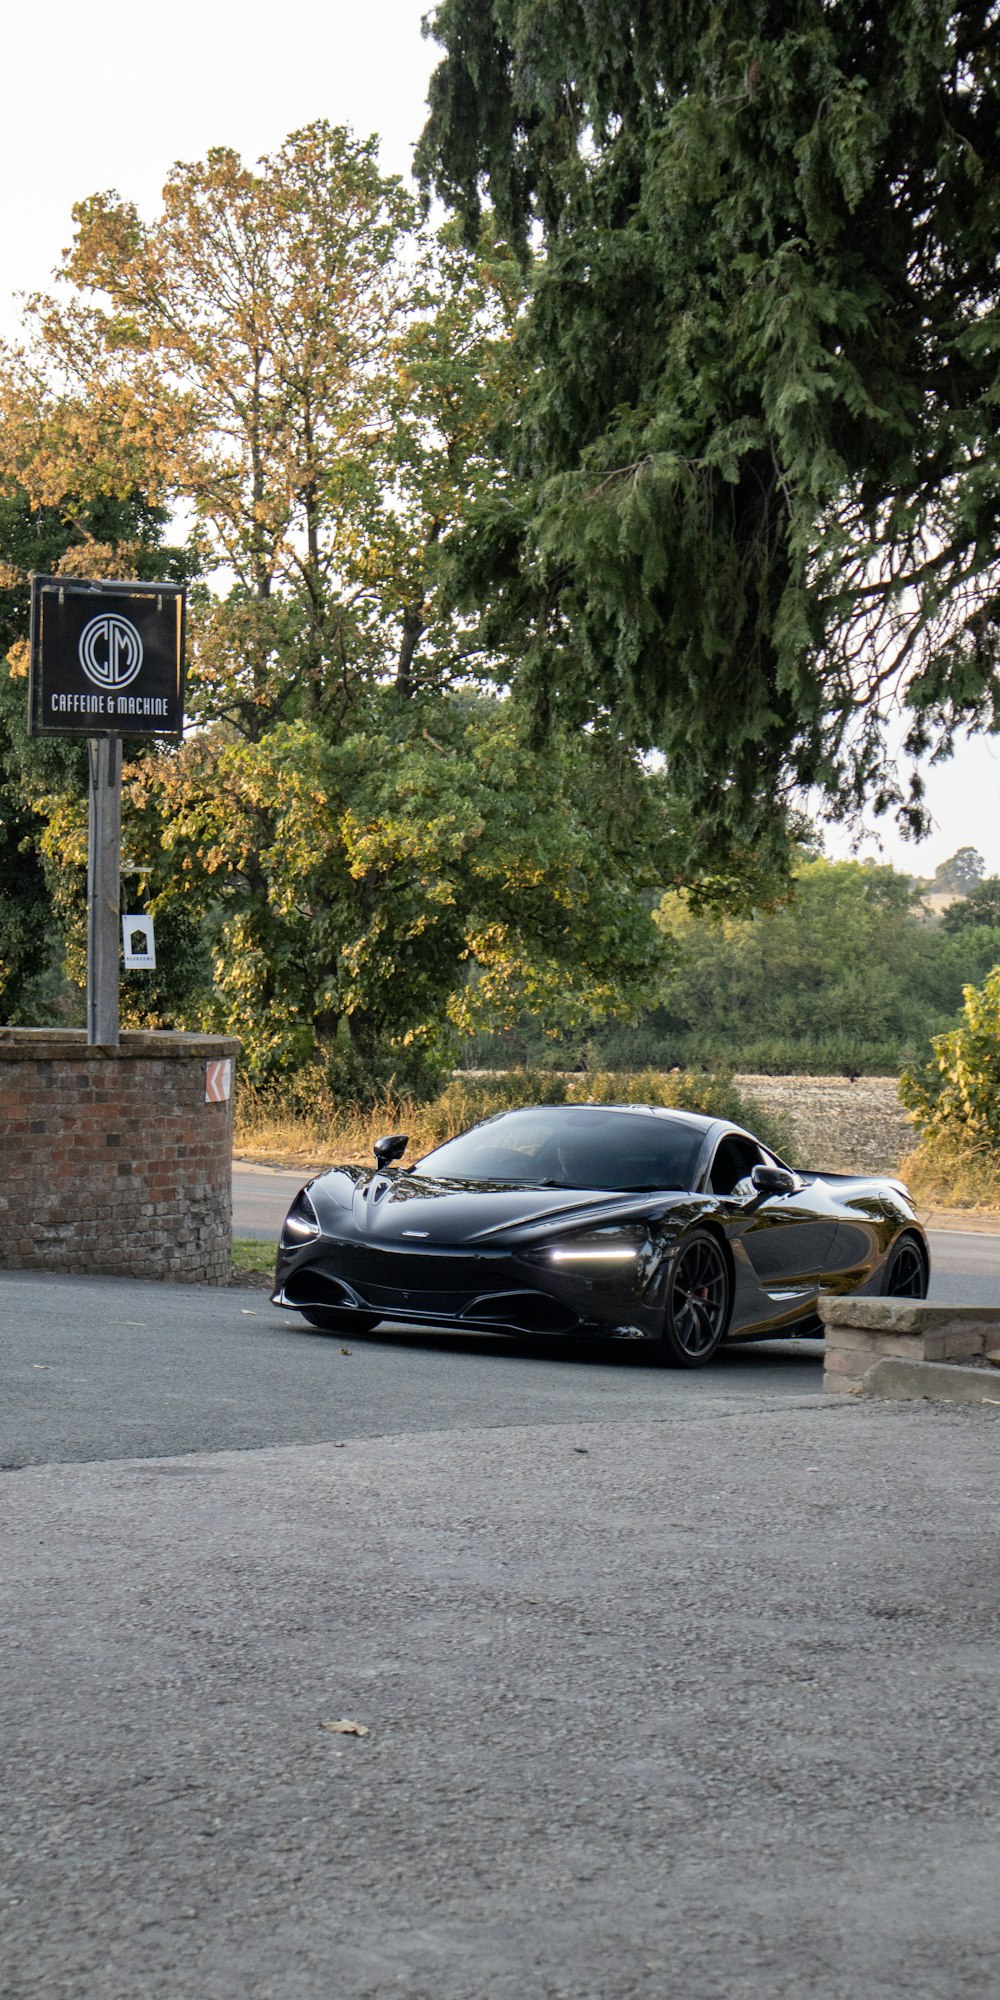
(734, 1161)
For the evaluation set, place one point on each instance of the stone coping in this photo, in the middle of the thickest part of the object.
(152, 1044)
(917, 1316)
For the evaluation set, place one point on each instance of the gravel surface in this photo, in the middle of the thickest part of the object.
(686, 1711)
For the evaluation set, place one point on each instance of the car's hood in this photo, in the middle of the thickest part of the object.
(409, 1208)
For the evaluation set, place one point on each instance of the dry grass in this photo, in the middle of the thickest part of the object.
(281, 1135)
(302, 1125)
(953, 1173)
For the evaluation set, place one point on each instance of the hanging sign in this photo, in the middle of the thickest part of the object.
(139, 945)
(106, 658)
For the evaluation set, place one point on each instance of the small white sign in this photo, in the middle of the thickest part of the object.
(219, 1080)
(138, 944)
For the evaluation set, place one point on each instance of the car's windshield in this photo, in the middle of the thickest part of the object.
(583, 1146)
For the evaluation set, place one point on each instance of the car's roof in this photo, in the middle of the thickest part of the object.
(698, 1120)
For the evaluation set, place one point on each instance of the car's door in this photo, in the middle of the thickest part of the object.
(788, 1238)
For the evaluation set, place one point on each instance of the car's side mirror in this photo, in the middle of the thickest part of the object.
(773, 1180)
(392, 1147)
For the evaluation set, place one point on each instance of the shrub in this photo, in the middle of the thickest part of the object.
(957, 1094)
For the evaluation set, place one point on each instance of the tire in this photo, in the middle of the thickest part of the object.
(328, 1320)
(906, 1273)
(699, 1302)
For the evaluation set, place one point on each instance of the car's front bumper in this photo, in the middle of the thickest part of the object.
(490, 1289)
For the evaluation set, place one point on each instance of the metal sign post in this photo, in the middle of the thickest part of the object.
(104, 842)
(106, 659)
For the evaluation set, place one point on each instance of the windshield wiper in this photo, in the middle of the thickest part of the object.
(651, 1187)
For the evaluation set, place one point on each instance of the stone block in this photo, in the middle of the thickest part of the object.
(849, 1340)
(854, 1364)
(842, 1385)
(955, 1343)
(892, 1380)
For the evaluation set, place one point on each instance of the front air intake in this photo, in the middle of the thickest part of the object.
(527, 1312)
(313, 1288)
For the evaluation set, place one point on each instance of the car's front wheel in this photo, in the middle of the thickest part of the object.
(329, 1320)
(906, 1274)
(699, 1300)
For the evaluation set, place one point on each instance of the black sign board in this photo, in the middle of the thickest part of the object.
(106, 658)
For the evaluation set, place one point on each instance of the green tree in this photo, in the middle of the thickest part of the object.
(374, 897)
(980, 905)
(845, 974)
(43, 784)
(960, 872)
(755, 474)
(358, 826)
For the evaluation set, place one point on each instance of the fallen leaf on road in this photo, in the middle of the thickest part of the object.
(347, 1350)
(345, 1728)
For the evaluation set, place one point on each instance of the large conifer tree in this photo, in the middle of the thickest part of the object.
(759, 491)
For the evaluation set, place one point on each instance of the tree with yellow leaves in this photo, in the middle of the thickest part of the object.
(372, 852)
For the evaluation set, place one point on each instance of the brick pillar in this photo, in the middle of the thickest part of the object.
(111, 1159)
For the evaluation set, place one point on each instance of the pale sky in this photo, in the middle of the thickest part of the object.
(109, 96)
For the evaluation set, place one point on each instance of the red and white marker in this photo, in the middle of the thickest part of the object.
(219, 1080)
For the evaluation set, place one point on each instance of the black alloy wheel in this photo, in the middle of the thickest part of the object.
(906, 1275)
(328, 1320)
(696, 1314)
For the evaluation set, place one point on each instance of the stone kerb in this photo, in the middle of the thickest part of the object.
(897, 1347)
(113, 1159)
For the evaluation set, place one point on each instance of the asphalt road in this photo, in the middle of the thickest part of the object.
(113, 1368)
(672, 1684)
(695, 1710)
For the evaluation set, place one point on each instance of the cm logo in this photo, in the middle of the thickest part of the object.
(110, 651)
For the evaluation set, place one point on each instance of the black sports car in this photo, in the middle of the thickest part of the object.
(625, 1220)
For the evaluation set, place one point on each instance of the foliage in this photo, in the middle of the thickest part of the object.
(956, 1096)
(980, 905)
(357, 856)
(303, 1121)
(43, 783)
(279, 352)
(960, 872)
(755, 471)
(847, 974)
(378, 895)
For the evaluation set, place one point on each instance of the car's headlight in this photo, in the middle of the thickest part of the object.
(301, 1223)
(615, 1245)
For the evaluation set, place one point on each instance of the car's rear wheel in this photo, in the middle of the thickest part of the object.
(906, 1273)
(699, 1300)
(329, 1320)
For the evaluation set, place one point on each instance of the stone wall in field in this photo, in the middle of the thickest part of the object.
(116, 1159)
(835, 1125)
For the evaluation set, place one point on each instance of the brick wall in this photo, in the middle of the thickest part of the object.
(110, 1158)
